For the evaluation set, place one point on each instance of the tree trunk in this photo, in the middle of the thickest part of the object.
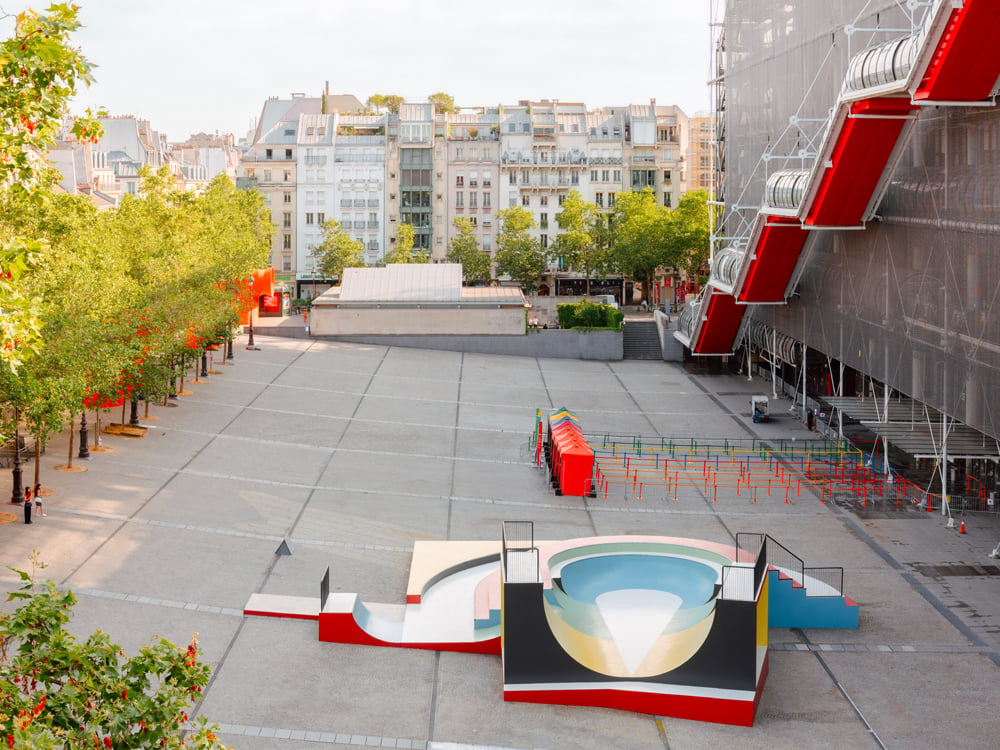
(38, 462)
(69, 463)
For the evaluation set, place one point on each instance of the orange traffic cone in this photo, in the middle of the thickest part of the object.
(961, 527)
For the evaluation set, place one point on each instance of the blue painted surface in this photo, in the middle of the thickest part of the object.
(586, 579)
(789, 607)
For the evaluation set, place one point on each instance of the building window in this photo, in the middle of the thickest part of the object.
(288, 153)
(611, 200)
(459, 200)
(459, 153)
(459, 181)
(267, 175)
(666, 200)
(472, 199)
(286, 219)
(321, 218)
(309, 217)
(604, 175)
(475, 220)
(543, 220)
(593, 175)
(544, 239)
(487, 242)
(474, 179)
(268, 154)
(487, 178)
(286, 241)
(666, 176)
(599, 199)
(543, 200)
(288, 175)
(618, 175)
(486, 200)
(526, 200)
(512, 178)
(287, 197)
(562, 199)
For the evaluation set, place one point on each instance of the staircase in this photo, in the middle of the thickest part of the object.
(640, 340)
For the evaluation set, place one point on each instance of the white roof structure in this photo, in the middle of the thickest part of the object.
(403, 282)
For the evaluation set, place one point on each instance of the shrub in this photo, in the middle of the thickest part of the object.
(587, 314)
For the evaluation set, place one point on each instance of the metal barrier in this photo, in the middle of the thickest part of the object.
(738, 584)
(831, 580)
(520, 556)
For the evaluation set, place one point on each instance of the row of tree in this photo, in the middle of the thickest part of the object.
(381, 103)
(98, 305)
(635, 238)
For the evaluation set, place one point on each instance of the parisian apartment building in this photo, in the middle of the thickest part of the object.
(321, 158)
(327, 157)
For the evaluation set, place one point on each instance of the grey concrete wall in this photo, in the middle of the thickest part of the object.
(557, 344)
(673, 350)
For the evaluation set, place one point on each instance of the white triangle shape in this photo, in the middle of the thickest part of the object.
(636, 618)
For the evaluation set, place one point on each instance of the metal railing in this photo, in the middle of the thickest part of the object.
(738, 584)
(519, 556)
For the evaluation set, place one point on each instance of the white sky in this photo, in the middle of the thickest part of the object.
(208, 65)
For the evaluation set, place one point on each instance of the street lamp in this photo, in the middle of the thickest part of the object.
(250, 344)
(17, 490)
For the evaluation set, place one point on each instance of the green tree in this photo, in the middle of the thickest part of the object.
(402, 250)
(690, 232)
(380, 103)
(578, 244)
(519, 254)
(58, 691)
(641, 237)
(41, 72)
(464, 248)
(337, 251)
(443, 103)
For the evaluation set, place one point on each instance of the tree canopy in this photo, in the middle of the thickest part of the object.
(380, 103)
(519, 254)
(402, 250)
(58, 691)
(337, 251)
(641, 232)
(579, 244)
(443, 103)
(464, 248)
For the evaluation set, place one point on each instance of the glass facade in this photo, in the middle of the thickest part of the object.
(415, 165)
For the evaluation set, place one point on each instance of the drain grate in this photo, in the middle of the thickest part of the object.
(955, 570)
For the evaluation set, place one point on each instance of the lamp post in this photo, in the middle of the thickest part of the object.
(250, 344)
(17, 490)
(84, 437)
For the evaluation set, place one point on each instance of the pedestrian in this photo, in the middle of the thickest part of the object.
(38, 500)
(27, 504)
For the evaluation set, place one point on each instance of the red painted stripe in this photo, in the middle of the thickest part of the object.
(286, 615)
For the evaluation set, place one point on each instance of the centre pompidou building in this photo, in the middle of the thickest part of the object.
(857, 253)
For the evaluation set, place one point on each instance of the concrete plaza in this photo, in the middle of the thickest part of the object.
(353, 452)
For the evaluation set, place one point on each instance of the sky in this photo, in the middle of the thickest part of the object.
(208, 65)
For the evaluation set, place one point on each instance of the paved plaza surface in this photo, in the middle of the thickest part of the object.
(353, 452)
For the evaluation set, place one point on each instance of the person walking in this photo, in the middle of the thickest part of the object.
(38, 500)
